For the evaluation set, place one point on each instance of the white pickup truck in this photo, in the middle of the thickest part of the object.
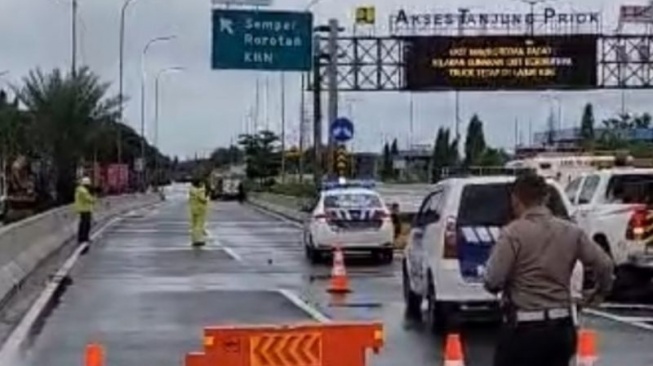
(615, 208)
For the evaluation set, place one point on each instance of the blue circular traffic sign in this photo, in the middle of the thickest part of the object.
(342, 129)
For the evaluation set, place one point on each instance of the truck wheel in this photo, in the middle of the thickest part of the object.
(412, 300)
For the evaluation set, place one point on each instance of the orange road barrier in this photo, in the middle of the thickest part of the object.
(195, 359)
(453, 351)
(324, 344)
(339, 280)
(587, 354)
(94, 355)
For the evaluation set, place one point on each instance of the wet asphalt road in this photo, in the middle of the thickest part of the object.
(145, 294)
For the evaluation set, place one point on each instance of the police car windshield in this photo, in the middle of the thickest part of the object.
(489, 205)
(351, 200)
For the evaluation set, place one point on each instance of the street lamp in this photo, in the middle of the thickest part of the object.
(121, 63)
(143, 76)
(156, 113)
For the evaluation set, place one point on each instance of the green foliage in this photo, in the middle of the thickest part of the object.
(294, 189)
(262, 154)
(445, 153)
(222, 157)
(386, 164)
(587, 126)
(68, 119)
(475, 142)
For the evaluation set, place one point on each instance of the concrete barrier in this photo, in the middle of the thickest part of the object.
(25, 244)
(267, 201)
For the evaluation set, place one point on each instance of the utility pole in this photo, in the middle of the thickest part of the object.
(463, 12)
(302, 112)
(332, 79)
(73, 70)
(283, 127)
(256, 107)
(317, 112)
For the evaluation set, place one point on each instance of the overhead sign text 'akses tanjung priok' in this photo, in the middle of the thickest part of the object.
(465, 18)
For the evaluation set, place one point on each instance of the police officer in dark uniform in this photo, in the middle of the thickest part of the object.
(531, 266)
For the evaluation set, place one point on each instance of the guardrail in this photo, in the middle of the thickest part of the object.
(25, 244)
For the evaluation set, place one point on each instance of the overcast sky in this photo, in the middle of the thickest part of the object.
(202, 108)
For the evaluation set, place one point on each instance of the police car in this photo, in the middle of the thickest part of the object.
(349, 214)
(453, 232)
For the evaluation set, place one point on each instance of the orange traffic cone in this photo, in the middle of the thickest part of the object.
(453, 351)
(339, 281)
(94, 355)
(587, 355)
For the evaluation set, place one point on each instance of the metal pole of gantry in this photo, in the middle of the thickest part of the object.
(332, 91)
(317, 113)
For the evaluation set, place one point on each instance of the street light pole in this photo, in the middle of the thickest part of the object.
(143, 77)
(156, 116)
(121, 68)
(74, 39)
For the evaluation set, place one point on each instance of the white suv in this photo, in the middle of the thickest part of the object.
(450, 242)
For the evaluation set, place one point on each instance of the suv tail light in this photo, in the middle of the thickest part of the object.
(450, 239)
(637, 224)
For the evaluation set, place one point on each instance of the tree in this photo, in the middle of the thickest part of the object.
(587, 126)
(65, 110)
(225, 156)
(551, 129)
(262, 154)
(445, 154)
(386, 163)
(71, 119)
(394, 149)
(475, 142)
(493, 157)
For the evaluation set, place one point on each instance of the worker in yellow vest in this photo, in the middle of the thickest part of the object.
(84, 202)
(198, 204)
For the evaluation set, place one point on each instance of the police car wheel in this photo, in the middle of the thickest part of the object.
(412, 300)
(438, 314)
(314, 256)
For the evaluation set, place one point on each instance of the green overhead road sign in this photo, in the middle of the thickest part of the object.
(262, 40)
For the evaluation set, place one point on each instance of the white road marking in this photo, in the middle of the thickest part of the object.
(637, 319)
(306, 307)
(627, 306)
(618, 319)
(232, 253)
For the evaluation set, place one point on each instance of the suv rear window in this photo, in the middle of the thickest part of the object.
(352, 200)
(631, 188)
(489, 205)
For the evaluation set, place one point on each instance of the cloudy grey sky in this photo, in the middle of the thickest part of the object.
(202, 109)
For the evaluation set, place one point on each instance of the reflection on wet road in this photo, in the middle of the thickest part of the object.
(145, 294)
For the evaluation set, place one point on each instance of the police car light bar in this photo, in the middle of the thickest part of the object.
(341, 183)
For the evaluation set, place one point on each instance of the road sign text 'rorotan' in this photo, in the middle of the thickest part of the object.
(262, 40)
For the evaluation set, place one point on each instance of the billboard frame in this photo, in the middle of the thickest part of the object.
(370, 63)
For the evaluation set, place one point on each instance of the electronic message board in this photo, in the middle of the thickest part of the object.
(501, 62)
